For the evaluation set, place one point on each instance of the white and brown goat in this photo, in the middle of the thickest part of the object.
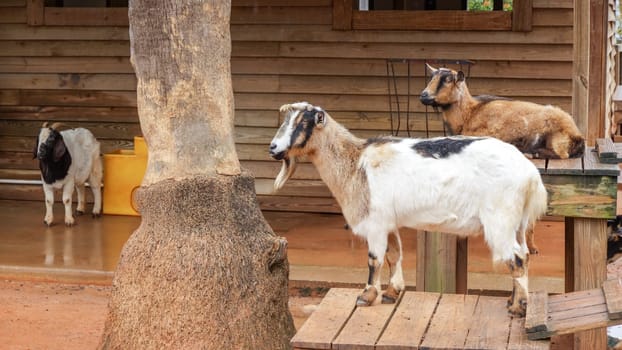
(544, 131)
(68, 159)
(459, 185)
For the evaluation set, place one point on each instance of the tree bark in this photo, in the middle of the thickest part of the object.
(204, 270)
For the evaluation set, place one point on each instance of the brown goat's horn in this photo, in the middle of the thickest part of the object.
(45, 125)
(56, 125)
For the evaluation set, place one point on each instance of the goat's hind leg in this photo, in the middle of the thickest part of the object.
(517, 303)
(394, 260)
(67, 194)
(80, 192)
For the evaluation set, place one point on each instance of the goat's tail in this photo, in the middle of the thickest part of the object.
(576, 147)
(535, 205)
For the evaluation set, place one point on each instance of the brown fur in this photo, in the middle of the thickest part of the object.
(337, 137)
(543, 131)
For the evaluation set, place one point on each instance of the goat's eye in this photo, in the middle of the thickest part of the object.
(449, 79)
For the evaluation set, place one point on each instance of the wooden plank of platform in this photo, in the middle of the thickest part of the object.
(489, 328)
(613, 298)
(577, 311)
(450, 324)
(327, 320)
(536, 318)
(518, 338)
(419, 320)
(606, 150)
(394, 337)
(364, 327)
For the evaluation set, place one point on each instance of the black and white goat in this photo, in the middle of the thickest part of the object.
(459, 185)
(68, 159)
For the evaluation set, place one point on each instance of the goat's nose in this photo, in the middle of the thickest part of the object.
(272, 147)
(424, 94)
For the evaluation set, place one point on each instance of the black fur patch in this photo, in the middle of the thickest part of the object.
(372, 268)
(443, 147)
(305, 126)
(51, 169)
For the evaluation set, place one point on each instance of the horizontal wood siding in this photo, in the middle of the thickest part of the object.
(283, 51)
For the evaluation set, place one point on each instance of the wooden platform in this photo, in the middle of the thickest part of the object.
(417, 321)
(573, 312)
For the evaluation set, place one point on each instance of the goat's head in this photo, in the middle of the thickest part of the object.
(50, 145)
(444, 87)
(292, 139)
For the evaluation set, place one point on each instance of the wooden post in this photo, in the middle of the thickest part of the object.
(342, 14)
(34, 12)
(441, 263)
(586, 269)
(589, 65)
(522, 15)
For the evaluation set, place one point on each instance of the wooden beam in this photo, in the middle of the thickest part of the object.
(342, 14)
(580, 68)
(590, 35)
(34, 12)
(522, 15)
(598, 15)
(431, 20)
(586, 269)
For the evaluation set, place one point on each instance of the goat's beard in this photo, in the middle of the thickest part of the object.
(287, 170)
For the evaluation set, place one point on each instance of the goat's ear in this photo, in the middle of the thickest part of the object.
(460, 76)
(59, 149)
(430, 69)
(35, 149)
(320, 119)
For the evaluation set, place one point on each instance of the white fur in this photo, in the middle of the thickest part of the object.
(85, 165)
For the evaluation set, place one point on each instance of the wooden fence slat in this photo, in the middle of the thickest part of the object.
(324, 324)
(613, 296)
(409, 321)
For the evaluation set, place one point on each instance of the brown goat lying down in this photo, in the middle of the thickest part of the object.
(542, 131)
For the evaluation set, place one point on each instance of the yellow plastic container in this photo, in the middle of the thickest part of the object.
(123, 173)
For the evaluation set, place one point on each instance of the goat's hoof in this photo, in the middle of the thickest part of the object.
(387, 299)
(96, 215)
(519, 309)
(69, 223)
(533, 250)
(360, 301)
(46, 223)
(79, 212)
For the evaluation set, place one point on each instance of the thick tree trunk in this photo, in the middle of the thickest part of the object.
(203, 270)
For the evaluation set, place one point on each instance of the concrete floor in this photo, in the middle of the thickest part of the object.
(320, 251)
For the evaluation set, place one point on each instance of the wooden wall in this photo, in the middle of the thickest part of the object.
(283, 51)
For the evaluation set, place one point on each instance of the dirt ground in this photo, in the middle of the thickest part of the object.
(40, 315)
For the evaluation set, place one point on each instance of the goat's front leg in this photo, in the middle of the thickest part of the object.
(376, 247)
(49, 203)
(80, 191)
(394, 260)
(67, 194)
(517, 303)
